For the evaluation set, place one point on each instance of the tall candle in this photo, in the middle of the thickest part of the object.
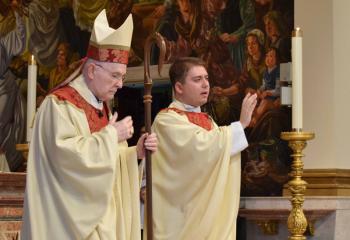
(297, 75)
(31, 95)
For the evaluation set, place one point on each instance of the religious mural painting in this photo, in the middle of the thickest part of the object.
(241, 41)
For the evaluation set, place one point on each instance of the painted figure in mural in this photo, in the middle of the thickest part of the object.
(254, 68)
(255, 168)
(168, 12)
(85, 12)
(196, 199)
(7, 7)
(78, 159)
(277, 36)
(269, 92)
(166, 25)
(285, 7)
(237, 19)
(265, 169)
(12, 124)
(62, 69)
(45, 31)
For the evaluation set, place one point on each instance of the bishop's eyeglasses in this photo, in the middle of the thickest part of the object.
(115, 75)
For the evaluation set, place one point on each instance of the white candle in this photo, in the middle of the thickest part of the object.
(31, 95)
(297, 75)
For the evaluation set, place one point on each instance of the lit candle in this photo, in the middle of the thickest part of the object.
(297, 75)
(31, 95)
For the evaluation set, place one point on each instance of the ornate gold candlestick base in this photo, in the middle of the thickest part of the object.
(297, 222)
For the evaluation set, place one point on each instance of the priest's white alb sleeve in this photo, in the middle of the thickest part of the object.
(239, 140)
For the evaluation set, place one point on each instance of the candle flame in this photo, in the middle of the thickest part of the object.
(32, 60)
(297, 32)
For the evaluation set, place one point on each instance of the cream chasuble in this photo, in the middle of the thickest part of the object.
(79, 185)
(196, 183)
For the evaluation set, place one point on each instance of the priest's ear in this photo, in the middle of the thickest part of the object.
(91, 68)
(178, 88)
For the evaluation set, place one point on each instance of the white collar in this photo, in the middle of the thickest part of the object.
(80, 85)
(187, 107)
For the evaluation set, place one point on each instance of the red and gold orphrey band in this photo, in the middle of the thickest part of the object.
(108, 55)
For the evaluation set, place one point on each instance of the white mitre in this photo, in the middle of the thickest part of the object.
(108, 44)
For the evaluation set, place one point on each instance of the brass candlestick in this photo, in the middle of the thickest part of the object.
(297, 222)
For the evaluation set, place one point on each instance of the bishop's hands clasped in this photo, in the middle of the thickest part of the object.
(248, 106)
(124, 127)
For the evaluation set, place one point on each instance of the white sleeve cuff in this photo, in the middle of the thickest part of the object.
(239, 140)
